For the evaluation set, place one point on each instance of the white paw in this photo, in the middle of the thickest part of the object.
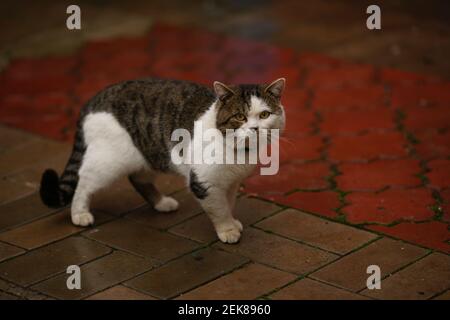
(82, 219)
(231, 233)
(166, 204)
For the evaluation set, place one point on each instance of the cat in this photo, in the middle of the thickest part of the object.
(125, 130)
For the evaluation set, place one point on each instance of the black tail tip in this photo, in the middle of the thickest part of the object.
(49, 190)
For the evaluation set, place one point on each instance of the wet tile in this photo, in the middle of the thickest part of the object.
(278, 252)
(8, 251)
(249, 282)
(141, 240)
(315, 231)
(120, 292)
(46, 230)
(351, 271)
(97, 276)
(50, 260)
(185, 273)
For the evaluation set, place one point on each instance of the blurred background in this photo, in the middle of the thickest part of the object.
(414, 35)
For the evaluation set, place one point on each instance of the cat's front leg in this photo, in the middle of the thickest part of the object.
(217, 205)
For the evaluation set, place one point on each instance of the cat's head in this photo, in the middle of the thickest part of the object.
(247, 108)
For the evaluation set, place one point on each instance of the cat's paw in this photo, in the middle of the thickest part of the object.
(166, 204)
(83, 219)
(231, 233)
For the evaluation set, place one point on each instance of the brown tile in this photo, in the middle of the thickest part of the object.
(421, 280)
(117, 199)
(46, 230)
(315, 231)
(198, 228)
(7, 296)
(11, 191)
(120, 292)
(185, 273)
(248, 211)
(167, 183)
(20, 292)
(22, 211)
(50, 260)
(444, 296)
(141, 240)
(249, 282)
(351, 271)
(278, 252)
(307, 289)
(30, 154)
(97, 275)
(162, 220)
(12, 138)
(7, 251)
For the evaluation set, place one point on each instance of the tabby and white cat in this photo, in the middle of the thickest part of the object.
(125, 130)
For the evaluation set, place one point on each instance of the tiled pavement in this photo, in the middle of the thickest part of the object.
(364, 180)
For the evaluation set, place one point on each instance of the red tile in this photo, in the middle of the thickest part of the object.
(439, 174)
(357, 121)
(299, 121)
(104, 48)
(421, 95)
(445, 195)
(389, 206)
(379, 174)
(365, 98)
(433, 234)
(403, 78)
(309, 176)
(317, 61)
(347, 75)
(300, 148)
(420, 118)
(433, 144)
(294, 99)
(367, 147)
(323, 203)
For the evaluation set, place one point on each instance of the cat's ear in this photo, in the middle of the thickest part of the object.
(221, 90)
(276, 88)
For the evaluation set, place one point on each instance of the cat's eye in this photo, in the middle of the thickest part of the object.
(239, 117)
(264, 114)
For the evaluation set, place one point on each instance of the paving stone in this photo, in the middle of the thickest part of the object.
(11, 138)
(197, 268)
(141, 240)
(421, 118)
(307, 289)
(357, 121)
(120, 292)
(6, 296)
(97, 276)
(308, 176)
(379, 174)
(300, 122)
(29, 154)
(20, 292)
(300, 148)
(22, 211)
(46, 230)
(439, 174)
(389, 206)
(324, 203)
(421, 280)
(432, 234)
(367, 147)
(350, 271)
(12, 191)
(8, 251)
(433, 144)
(117, 199)
(249, 282)
(50, 260)
(248, 210)
(350, 75)
(188, 207)
(421, 95)
(444, 296)
(279, 252)
(366, 98)
(445, 195)
(315, 231)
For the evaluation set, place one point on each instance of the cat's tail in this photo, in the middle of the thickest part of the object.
(57, 191)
